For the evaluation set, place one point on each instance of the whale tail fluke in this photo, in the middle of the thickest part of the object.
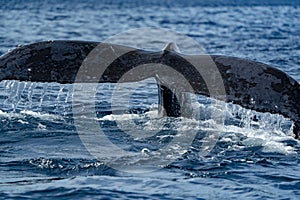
(250, 84)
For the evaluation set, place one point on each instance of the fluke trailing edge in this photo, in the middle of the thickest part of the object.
(251, 84)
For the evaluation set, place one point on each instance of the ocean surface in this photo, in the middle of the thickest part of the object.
(48, 145)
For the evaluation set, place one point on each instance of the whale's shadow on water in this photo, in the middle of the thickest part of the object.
(252, 85)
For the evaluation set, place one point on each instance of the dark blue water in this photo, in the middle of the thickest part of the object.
(43, 152)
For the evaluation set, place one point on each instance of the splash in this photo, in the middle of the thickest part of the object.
(242, 127)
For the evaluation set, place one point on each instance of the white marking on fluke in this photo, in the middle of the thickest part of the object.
(171, 46)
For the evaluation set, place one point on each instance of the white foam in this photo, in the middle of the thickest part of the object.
(114, 117)
(269, 140)
(268, 134)
(22, 114)
(10, 114)
(42, 126)
(44, 116)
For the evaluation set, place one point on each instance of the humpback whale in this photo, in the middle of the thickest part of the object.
(250, 84)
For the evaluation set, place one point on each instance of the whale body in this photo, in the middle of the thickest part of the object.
(250, 84)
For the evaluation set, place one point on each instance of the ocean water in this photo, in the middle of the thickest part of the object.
(47, 132)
